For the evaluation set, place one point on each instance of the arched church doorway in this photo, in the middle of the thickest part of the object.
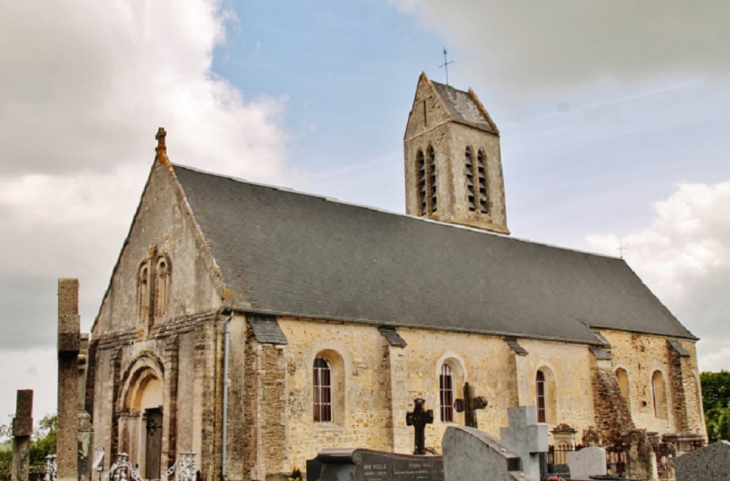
(141, 429)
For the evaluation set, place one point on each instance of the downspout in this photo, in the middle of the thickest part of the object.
(226, 354)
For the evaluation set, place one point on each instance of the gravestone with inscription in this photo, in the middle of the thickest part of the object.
(369, 465)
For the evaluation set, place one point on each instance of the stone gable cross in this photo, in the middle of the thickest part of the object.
(469, 405)
(418, 419)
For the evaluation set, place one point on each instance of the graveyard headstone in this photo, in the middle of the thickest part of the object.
(591, 437)
(586, 463)
(526, 437)
(369, 465)
(418, 419)
(711, 463)
(641, 459)
(473, 455)
(469, 405)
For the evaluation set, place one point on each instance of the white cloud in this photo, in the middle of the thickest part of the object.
(35, 369)
(684, 257)
(83, 88)
(535, 45)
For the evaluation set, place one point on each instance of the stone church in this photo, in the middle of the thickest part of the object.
(254, 325)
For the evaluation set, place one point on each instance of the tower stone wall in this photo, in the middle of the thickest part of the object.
(432, 125)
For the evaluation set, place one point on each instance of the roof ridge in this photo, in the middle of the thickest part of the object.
(400, 214)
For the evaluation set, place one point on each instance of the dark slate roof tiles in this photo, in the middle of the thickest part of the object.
(462, 108)
(284, 252)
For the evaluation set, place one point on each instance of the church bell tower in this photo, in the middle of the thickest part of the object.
(452, 159)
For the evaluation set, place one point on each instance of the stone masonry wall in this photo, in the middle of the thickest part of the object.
(676, 385)
(569, 378)
(612, 413)
(362, 388)
(641, 355)
(685, 385)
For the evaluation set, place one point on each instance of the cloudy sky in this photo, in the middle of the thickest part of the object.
(614, 115)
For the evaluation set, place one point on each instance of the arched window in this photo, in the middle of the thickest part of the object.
(446, 394)
(143, 291)
(482, 180)
(545, 395)
(322, 391)
(470, 190)
(623, 382)
(660, 395)
(432, 176)
(422, 189)
(162, 282)
(541, 389)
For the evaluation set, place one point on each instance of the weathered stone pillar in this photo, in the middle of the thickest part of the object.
(402, 438)
(69, 332)
(84, 418)
(22, 430)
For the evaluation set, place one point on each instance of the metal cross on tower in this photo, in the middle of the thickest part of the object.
(445, 66)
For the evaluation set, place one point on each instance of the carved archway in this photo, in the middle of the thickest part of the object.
(141, 415)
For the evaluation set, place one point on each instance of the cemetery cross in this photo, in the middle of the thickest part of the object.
(418, 419)
(469, 406)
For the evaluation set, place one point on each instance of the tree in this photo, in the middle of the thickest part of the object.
(716, 400)
(44, 440)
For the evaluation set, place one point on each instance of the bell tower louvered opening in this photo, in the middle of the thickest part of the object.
(426, 169)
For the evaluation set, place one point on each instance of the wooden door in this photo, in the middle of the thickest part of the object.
(153, 444)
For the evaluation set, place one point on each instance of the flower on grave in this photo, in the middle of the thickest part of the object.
(555, 478)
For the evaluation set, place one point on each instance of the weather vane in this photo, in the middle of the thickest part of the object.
(621, 248)
(445, 66)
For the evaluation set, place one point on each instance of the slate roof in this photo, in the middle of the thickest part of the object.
(463, 108)
(287, 253)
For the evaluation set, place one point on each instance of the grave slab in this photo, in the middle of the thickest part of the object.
(711, 463)
(369, 465)
(586, 463)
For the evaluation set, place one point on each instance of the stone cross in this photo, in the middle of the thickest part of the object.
(69, 343)
(469, 405)
(526, 438)
(160, 137)
(418, 419)
(22, 430)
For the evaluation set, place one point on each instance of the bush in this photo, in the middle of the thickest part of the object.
(5, 470)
